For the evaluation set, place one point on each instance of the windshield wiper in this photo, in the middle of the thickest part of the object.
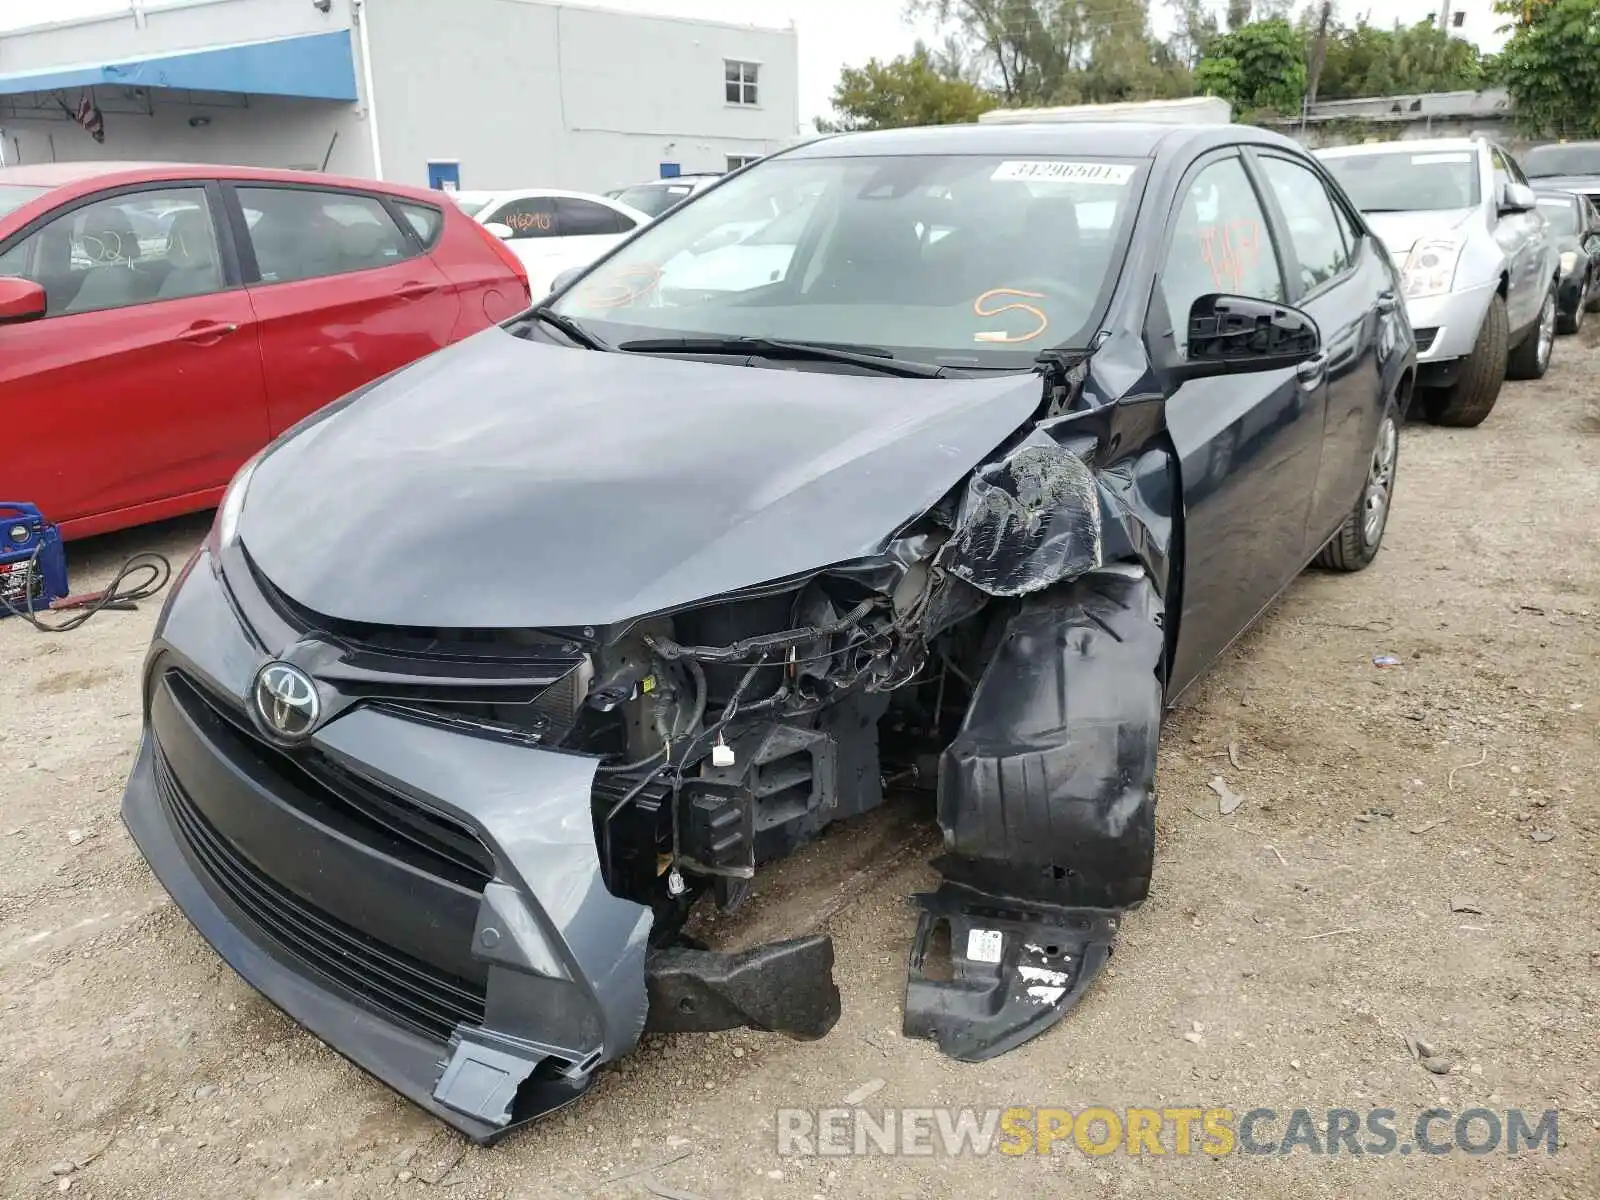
(568, 326)
(872, 357)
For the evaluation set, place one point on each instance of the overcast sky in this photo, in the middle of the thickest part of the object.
(833, 33)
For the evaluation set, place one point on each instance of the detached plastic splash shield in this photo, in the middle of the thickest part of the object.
(1047, 807)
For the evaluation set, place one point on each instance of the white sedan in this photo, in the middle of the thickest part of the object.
(550, 230)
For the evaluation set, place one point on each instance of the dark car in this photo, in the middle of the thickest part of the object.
(1575, 227)
(1565, 166)
(490, 674)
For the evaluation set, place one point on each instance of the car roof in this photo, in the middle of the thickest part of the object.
(1419, 146)
(1108, 139)
(677, 180)
(85, 176)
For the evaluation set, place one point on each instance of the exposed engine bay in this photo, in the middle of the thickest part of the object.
(1004, 651)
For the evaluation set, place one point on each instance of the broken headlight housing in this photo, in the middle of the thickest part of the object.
(1569, 260)
(1430, 268)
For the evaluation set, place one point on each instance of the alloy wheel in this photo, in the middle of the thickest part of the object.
(1380, 482)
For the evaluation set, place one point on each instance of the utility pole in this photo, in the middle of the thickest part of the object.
(1444, 17)
(1319, 52)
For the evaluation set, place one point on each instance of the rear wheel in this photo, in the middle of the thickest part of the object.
(1471, 397)
(1532, 359)
(1356, 544)
(1573, 323)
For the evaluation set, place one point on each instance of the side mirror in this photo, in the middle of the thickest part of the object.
(563, 278)
(1233, 335)
(1517, 197)
(20, 300)
(504, 232)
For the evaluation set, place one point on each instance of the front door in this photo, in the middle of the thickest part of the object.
(140, 392)
(1249, 445)
(1524, 239)
(342, 292)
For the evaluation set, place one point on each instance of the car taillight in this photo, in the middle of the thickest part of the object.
(504, 253)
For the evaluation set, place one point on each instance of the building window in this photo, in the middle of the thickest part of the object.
(739, 81)
(1458, 19)
(735, 161)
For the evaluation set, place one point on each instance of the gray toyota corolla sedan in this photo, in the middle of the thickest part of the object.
(936, 459)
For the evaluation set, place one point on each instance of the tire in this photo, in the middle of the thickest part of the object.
(1532, 359)
(1566, 324)
(1591, 298)
(1471, 398)
(1361, 536)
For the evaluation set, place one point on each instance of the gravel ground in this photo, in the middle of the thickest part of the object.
(1285, 953)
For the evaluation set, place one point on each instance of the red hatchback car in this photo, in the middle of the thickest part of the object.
(159, 324)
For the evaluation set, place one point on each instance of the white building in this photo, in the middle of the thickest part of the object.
(1475, 21)
(498, 93)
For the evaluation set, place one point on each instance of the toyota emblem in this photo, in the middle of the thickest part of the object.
(287, 701)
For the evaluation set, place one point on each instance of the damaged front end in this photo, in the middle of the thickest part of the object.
(1006, 650)
(494, 840)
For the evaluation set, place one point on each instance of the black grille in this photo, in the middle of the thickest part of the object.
(410, 993)
(338, 796)
(1425, 338)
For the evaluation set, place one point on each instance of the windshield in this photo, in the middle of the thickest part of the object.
(956, 260)
(13, 196)
(1398, 182)
(1544, 161)
(1562, 215)
(653, 199)
(471, 207)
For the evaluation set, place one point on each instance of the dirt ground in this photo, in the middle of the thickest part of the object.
(1286, 951)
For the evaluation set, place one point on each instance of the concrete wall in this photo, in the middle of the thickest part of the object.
(1406, 118)
(154, 123)
(524, 93)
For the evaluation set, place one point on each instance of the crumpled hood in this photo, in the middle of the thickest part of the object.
(1402, 230)
(504, 483)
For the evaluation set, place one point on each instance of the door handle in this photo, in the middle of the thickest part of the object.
(1311, 370)
(205, 333)
(415, 291)
(1387, 301)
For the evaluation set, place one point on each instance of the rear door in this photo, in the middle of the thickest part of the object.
(342, 289)
(141, 392)
(535, 237)
(1249, 445)
(1339, 279)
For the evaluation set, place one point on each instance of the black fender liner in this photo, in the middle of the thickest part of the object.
(1046, 800)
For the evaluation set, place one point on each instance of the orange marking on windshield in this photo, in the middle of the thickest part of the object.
(617, 293)
(1000, 335)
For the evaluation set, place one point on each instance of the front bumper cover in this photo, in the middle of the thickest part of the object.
(436, 912)
(1456, 316)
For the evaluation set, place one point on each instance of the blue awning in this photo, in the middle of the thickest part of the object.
(318, 65)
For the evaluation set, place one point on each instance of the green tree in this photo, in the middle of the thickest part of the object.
(1259, 67)
(910, 90)
(1551, 67)
(1031, 52)
(1364, 60)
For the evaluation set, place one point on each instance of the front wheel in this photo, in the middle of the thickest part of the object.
(1357, 542)
(1470, 398)
(1532, 359)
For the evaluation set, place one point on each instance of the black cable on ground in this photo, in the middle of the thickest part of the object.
(118, 594)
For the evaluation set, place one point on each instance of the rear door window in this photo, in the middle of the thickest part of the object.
(1314, 229)
(531, 217)
(301, 233)
(425, 221)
